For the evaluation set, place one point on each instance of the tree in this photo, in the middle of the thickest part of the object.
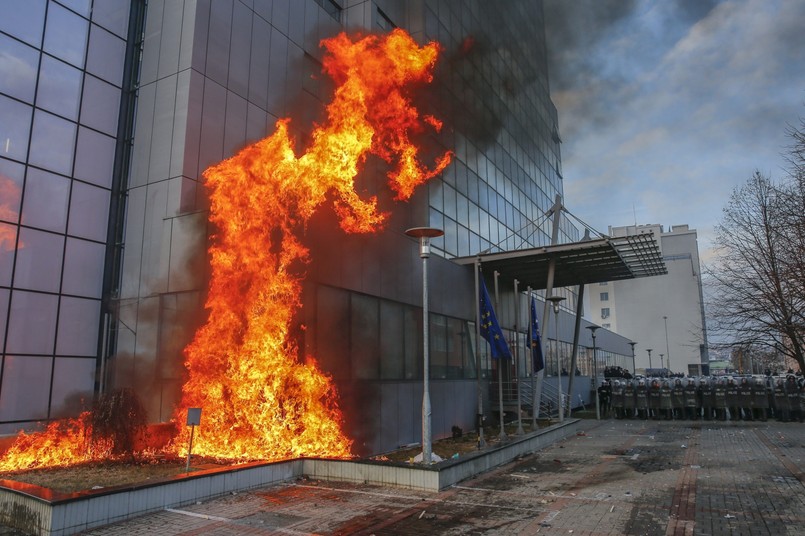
(758, 277)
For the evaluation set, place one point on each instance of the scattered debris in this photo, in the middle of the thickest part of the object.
(728, 516)
(684, 446)
(612, 509)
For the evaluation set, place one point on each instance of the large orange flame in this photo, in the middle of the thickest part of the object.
(258, 401)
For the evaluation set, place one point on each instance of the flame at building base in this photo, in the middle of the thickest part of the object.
(259, 401)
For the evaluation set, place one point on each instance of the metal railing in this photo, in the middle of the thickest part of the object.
(548, 407)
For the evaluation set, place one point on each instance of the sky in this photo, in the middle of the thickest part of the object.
(666, 106)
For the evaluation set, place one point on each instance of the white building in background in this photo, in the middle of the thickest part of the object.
(663, 313)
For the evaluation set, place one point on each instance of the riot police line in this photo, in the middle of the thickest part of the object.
(704, 398)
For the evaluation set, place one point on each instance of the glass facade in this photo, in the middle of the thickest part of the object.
(60, 85)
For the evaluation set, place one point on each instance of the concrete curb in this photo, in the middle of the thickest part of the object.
(37, 510)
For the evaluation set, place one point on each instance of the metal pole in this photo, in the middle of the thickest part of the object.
(667, 348)
(575, 351)
(520, 430)
(480, 415)
(426, 411)
(595, 391)
(500, 367)
(190, 448)
(634, 370)
(649, 358)
(558, 363)
(556, 212)
(595, 374)
(534, 398)
(424, 234)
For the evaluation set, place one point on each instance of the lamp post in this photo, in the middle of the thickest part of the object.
(662, 363)
(595, 374)
(667, 348)
(556, 300)
(425, 234)
(649, 356)
(634, 369)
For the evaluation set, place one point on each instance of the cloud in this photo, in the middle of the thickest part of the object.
(664, 107)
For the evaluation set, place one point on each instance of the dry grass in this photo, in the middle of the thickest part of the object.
(101, 475)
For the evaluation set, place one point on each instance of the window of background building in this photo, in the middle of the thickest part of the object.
(605, 296)
(605, 312)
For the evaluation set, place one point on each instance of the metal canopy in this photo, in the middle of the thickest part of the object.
(591, 261)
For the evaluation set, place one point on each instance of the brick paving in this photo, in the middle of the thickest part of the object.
(616, 478)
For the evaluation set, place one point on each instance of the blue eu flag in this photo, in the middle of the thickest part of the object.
(536, 343)
(490, 329)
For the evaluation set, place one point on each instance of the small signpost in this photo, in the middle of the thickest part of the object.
(193, 420)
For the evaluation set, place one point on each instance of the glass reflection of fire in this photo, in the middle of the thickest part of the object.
(259, 401)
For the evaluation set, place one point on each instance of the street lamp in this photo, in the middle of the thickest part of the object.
(425, 234)
(662, 363)
(634, 369)
(556, 300)
(595, 374)
(649, 356)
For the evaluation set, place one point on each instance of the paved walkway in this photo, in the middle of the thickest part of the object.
(615, 478)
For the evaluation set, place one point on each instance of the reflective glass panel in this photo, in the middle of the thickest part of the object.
(32, 323)
(8, 240)
(78, 327)
(46, 198)
(364, 341)
(392, 357)
(18, 64)
(83, 268)
(14, 128)
(95, 157)
(106, 55)
(11, 179)
(4, 294)
(79, 6)
(73, 384)
(100, 105)
(26, 388)
(24, 19)
(38, 265)
(112, 15)
(89, 211)
(66, 35)
(52, 143)
(59, 88)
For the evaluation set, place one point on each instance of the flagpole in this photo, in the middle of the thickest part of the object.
(500, 367)
(481, 442)
(534, 401)
(520, 430)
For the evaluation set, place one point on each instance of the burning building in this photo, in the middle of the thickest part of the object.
(197, 87)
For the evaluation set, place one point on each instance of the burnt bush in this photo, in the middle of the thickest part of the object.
(118, 421)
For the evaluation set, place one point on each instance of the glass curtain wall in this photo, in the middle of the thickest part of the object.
(61, 70)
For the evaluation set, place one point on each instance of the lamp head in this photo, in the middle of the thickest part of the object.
(593, 329)
(424, 234)
(555, 300)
